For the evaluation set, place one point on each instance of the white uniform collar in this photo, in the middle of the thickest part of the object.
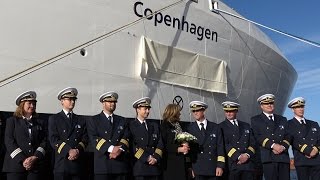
(66, 112)
(299, 119)
(205, 122)
(268, 115)
(234, 121)
(107, 115)
(142, 121)
(27, 118)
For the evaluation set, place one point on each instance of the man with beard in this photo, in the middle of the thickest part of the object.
(239, 143)
(109, 135)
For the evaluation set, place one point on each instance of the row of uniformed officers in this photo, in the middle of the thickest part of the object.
(231, 150)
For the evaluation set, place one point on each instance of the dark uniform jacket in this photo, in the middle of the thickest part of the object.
(238, 140)
(102, 134)
(66, 134)
(21, 145)
(305, 137)
(174, 164)
(267, 132)
(208, 152)
(2, 129)
(2, 147)
(146, 143)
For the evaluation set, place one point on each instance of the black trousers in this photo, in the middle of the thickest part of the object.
(110, 177)
(308, 172)
(24, 176)
(276, 171)
(200, 177)
(66, 176)
(146, 178)
(258, 174)
(240, 175)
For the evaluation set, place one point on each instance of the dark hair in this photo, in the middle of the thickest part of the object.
(172, 113)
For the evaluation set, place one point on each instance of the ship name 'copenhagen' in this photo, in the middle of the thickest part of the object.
(181, 24)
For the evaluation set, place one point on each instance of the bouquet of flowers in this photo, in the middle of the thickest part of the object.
(185, 137)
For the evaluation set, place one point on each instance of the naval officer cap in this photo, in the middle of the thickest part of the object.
(142, 102)
(68, 92)
(297, 102)
(26, 96)
(266, 99)
(109, 97)
(197, 105)
(230, 106)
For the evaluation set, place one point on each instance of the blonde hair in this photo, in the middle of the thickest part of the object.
(172, 113)
(20, 111)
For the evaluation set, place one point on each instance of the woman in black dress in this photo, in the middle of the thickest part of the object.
(174, 159)
(25, 140)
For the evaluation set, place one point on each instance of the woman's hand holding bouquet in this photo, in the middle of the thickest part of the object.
(184, 138)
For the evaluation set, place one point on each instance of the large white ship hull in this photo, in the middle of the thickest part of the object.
(35, 31)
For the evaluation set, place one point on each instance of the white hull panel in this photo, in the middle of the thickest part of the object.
(34, 31)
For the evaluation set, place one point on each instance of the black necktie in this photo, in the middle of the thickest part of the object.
(302, 122)
(110, 120)
(70, 115)
(202, 129)
(235, 123)
(29, 125)
(270, 117)
(144, 126)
